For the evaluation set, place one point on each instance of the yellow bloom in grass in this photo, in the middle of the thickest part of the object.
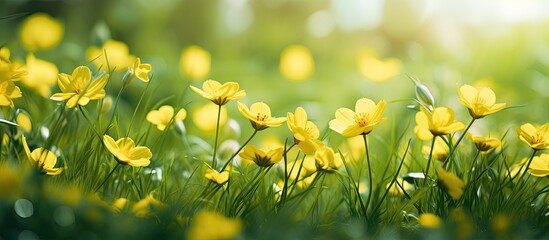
(140, 70)
(24, 121)
(485, 144)
(305, 132)
(78, 88)
(259, 115)
(219, 94)
(451, 183)
(217, 177)
(439, 122)
(395, 190)
(120, 204)
(125, 152)
(205, 117)
(211, 226)
(536, 138)
(147, 206)
(41, 75)
(260, 157)
(480, 103)
(360, 122)
(8, 92)
(40, 31)
(12, 71)
(440, 150)
(429, 220)
(296, 63)
(326, 159)
(195, 63)
(540, 166)
(162, 117)
(376, 69)
(43, 158)
(517, 169)
(117, 56)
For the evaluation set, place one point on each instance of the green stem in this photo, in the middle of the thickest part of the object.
(370, 183)
(429, 161)
(85, 114)
(527, 165)
(444, 165)
(104, 181)
(237, 151)
(473, 165)
(137, 107)
(214, 162)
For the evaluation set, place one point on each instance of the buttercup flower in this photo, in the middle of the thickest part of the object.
(540, 166)
(140, 70)
(440, 122)
(326, 159)
(146, 206)
(259, 115)
(260, 157)
(78, 89)
(117, 56)
(195, 62)
(480, 103)
(536, 138)
(395, 190)
(211, 225)
(162, 117)
(125, 152)
(40, 31)
(305, 132)
(440, 150)
(451, 183)
(41, 75)
(10, 71)
(43, 158)
(376, 69)
(296, 63)
(8, 92)
(485, 144)
(360, 122)
(429, 220)
(217, 177)
(217, 93)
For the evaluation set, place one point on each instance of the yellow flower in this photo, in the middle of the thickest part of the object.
(537, 139)
(326, 159)
(12, 71)
(395, 190)
(78, 89)
(451, 183)
(195, 62)
(485, 144)
(40, 31)
(360, 122)
(296, 63)
(211, 225)
(217, 93)
(305, 132)
(41, 75)
(260, 157)
(217, 177)
(517, 169)
(162, 117)
(8, 92)
(429, 220)
(440, 150)
(120, 204)
(205, 117)
(376, 69)
(440, 122)
(125, 152)
(24, 121)
(43, 158)
(480, 103)
(259, 115)
(140, 70)
(117, 57)
(539, 167)
(146, 206)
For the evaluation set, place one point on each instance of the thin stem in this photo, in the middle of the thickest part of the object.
(444, 165)
(527, 165)
(137, 107)
(369, 171)
(237, 151)
(84, 113)
(104, 181)
(214, 162)
(429, 161)
(473, 165)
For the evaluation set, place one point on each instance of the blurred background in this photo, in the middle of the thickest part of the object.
(319, 54)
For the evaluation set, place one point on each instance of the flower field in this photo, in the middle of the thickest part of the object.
(225, 120)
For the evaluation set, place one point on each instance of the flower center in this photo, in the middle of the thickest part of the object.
(361, 119)
(537, 138)
(261, 117)
(479, 101)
